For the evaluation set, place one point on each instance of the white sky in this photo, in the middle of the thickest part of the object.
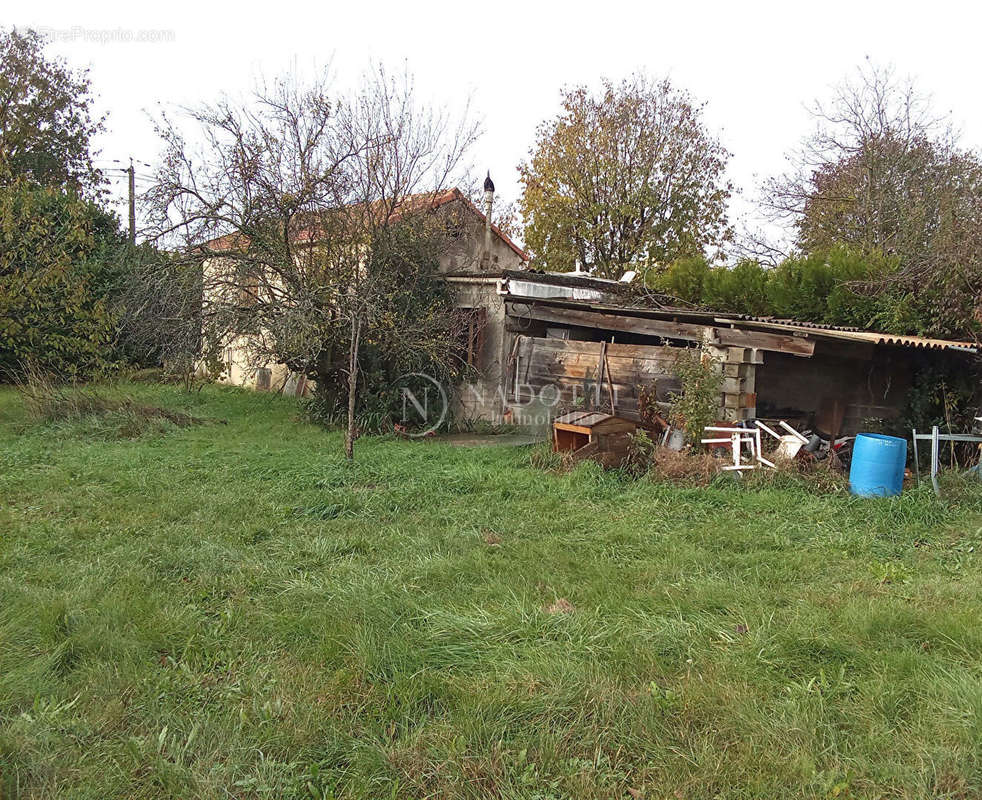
(755, 64)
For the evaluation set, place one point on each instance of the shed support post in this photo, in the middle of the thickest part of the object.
(739, 392)
(917, 467)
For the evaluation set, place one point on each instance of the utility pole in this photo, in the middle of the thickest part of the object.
(131, 172)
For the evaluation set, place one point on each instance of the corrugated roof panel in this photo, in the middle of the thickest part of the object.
(848, 334)
(710, 318)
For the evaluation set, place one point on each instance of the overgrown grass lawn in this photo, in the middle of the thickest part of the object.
(231, 610)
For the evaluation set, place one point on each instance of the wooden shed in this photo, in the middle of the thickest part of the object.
(592, 434)
(571, 351)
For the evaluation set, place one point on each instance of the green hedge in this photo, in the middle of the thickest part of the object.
(834, 287)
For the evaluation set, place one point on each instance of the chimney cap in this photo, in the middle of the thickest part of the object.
(488, 183)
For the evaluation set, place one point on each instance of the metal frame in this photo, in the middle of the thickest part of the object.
(936, 438)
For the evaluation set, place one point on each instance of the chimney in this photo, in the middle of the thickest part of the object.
(488, 204)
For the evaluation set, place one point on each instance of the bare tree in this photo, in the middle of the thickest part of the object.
(409, 153)
(284, 203)
(860, 176)
(882, 172)
(157, 307)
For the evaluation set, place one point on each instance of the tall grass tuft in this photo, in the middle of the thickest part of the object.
(47, 399)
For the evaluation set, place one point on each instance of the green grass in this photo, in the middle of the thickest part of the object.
(230, 610)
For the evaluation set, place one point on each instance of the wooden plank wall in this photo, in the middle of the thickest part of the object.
(572, 368)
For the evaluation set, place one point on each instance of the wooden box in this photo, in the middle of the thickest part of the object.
(592, 434)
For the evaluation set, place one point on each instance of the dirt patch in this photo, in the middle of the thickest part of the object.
(561, 606)
(491, 539)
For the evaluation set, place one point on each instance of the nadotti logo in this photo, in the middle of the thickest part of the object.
(423, 403)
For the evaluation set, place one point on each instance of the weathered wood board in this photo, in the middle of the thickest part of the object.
(716, 334)
(567, 371)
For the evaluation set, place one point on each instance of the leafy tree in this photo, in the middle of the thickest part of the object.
(46, 119)
(51, 311)
(628, 176)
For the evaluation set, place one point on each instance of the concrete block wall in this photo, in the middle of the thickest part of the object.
(738, 397)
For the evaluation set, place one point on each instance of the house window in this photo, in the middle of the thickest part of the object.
(472, 324)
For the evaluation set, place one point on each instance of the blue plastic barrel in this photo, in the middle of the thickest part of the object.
(877, 465)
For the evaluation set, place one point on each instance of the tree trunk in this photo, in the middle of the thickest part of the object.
(349, 438)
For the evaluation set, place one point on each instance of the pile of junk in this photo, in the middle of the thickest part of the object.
(876, 462)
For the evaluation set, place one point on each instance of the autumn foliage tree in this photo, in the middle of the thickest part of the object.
(627, 176)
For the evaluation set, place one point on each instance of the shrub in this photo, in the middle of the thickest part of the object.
(685, 279)
(741, 290)
(375, 413)
(51, 312)
(837, 286)
(640, 452)
(697, 404)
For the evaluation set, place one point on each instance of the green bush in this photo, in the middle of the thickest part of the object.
(52, 312)
(697, 404)
(685, 279)
(836, 287)
(741, 290)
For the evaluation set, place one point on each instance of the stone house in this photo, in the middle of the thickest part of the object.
(478, 250)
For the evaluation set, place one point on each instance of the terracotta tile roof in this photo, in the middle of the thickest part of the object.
(451, 195)
(416, 202)
(229, 241)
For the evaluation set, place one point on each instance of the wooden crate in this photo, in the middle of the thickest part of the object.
(592, 434)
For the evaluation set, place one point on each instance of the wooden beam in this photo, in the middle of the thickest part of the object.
(590, 350)
(774, 342)
(666, 329)
(600, 319)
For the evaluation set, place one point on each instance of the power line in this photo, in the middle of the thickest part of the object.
(131, 178)
(121, 161)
